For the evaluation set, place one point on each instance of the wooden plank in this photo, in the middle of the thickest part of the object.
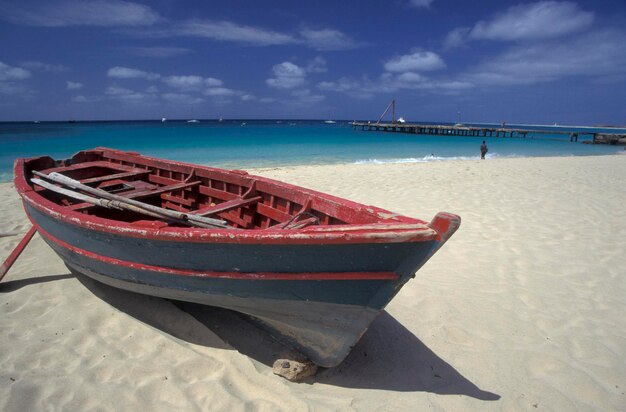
(230, 216)
(216, 193)
(15, 253)
(226, 206)
(162, 180)
(86, 165)
(122, 175)
(178, 199)
(175, 206)
(153, 192)
(131, 204)
(205, 171)
(272, 213)
(302, 223)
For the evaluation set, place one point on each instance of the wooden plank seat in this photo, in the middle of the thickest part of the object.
(121, 175)
(143, 194)
(142, 190)
(228, 205)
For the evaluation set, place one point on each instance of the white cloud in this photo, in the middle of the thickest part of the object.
(457, 37)
(317, 65)
(128, 73)
(267, 100)
(191, 82)
(327, 40)
(363, 88)
(597, 55)
(390, 83)
(212, 82)
(122, 93)
(421, 3)
(86, 99)
(12, 73)
(104, 13)
(44, 67)
(157, 51)
(323, 39)
(229, 31)
(286, 76)
(117, 91)
(306, 97)
(9, 81)
(10, 88)
(542, 20)
(248, 97)
(74, 85)
(418, 61)
(221, 91)
(410, 77)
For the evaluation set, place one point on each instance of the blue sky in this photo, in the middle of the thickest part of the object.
(482, 61)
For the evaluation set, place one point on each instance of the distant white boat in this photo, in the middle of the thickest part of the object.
(401, 120)
(330, 121)
(243, 123)
(220, 120)
(193, 121)
(163, 120)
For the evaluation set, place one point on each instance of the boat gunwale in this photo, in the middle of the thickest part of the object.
(404, 229)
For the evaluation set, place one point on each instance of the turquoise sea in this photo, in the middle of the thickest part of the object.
(264, 143)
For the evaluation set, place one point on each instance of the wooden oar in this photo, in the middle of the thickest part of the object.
(16, 252)
(109, 204)
(134, 204)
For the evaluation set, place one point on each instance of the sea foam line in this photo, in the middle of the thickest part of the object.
(425, 159)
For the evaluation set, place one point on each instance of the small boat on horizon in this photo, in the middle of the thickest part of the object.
(193, 121)
(314, 269)
(163, 120)
(330, 121)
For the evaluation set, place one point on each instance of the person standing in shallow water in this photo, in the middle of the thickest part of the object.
(483, 150)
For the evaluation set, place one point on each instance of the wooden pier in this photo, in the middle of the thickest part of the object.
(462, 130)
(459, 129)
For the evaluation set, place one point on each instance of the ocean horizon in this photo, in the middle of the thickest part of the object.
(258, 143)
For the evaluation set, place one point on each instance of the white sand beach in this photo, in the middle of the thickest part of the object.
(523, 308)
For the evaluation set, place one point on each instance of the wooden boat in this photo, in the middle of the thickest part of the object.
(315, 269)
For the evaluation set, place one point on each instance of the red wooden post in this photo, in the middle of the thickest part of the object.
(16, 252)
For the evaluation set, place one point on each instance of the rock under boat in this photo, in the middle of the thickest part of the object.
(315, 269)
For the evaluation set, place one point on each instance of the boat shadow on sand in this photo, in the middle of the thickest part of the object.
(388, 356)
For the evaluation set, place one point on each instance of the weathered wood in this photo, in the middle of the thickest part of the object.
(226, 206)
(159, 190)
(88, 165)
(121, 175)
(107, 204)
(197, 220)
(74, 195)
(4, 269)
(273, 213)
